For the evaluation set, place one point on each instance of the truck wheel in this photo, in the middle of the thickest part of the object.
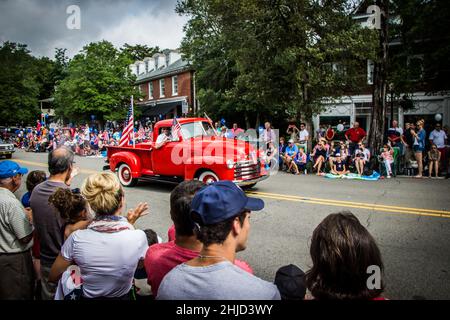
(8, 156)
(124, 175)
(208, 177)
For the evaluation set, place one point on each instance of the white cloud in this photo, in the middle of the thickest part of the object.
(42, 24)
(163, 29)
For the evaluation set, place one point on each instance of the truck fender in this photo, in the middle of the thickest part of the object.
(130, 158)
(197, 164)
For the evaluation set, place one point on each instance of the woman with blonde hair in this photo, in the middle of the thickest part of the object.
(108, 251)
(419, 145)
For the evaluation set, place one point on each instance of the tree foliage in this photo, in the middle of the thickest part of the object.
(23, 80)
(138, 52)
(279, 58)
(422, 60)
(98, 83)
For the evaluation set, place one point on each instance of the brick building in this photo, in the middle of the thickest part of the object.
(167, 83)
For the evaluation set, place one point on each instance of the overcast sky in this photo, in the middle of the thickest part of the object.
(41, 24)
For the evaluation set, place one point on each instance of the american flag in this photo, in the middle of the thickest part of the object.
(176, 128)
(128, 131)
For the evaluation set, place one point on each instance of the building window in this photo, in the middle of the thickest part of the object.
(150, 90)
(175, 85)
(161, 88)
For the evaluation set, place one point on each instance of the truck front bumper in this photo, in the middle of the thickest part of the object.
(243, 183)
(6, 152)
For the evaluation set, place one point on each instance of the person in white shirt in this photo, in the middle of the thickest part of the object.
(163, 138)
(108, 252)
(303, 136)
(269, 134)
(362, 156)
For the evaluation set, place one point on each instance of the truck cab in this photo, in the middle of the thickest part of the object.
(192, 150)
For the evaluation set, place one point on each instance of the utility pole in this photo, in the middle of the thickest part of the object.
(376, 133)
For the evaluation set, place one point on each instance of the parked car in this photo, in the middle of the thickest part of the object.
(196, 152)
(6, 149)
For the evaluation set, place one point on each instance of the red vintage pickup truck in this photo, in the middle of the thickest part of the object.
(194, 152)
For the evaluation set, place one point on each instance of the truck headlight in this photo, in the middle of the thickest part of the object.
(230, 164)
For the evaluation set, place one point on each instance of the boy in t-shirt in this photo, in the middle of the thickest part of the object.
(339, 167)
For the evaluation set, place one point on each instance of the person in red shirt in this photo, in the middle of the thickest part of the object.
(161, 258)
(355, 136)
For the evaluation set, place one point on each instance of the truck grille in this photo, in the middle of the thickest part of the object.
(245, 170)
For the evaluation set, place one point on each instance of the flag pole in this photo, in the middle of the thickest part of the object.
(132, 112)
(212, 124)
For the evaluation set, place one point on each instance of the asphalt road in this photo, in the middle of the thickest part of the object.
(409, 218)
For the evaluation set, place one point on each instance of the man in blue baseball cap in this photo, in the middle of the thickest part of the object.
(221, 212)
(16, 233)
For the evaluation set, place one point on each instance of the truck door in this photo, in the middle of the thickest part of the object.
(162, 161)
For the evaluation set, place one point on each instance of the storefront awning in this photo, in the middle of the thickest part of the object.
(159, 109)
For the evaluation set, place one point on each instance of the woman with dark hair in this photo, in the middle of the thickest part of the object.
(72, 207)
(344, 255)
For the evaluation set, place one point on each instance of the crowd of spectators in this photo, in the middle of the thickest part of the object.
(87, 238)
(410, 151)
(83, 140)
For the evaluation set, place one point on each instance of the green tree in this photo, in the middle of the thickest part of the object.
(277, 58)
(138, 52)
(19, 86)
(98, 83)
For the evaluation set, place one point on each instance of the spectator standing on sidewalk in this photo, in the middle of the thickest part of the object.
(355, 136)
(419, 145)
(303, 137)
(47, 220)
(16, 234)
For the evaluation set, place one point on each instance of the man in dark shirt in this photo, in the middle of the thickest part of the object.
(281, 151)
(408, 138)
(47, 220)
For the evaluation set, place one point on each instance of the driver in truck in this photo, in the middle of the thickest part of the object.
(163, 138)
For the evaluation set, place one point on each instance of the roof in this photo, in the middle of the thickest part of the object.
(176, 67)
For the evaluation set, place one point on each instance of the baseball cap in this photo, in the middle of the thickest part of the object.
(338, 154)
(291, 141)
(10, 169)
(222, 200)
(290, 281)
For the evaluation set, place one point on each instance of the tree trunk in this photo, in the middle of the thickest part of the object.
(247, 120)
(257, 122)
(376, 133)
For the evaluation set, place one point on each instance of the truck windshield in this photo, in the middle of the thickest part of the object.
(196, 129)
